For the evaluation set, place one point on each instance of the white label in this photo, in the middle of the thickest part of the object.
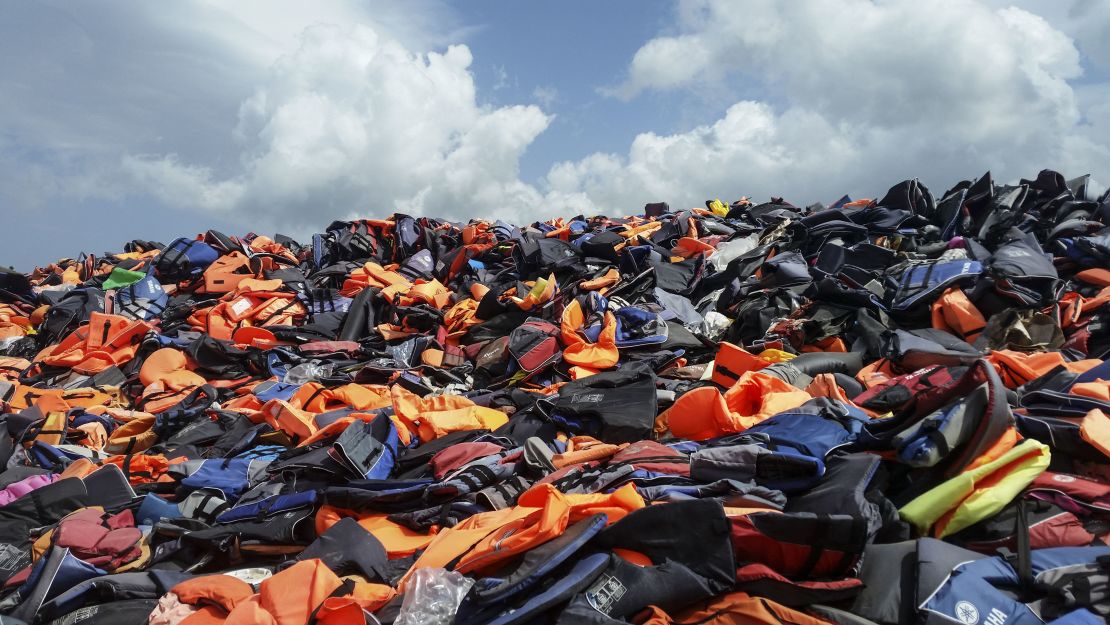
(604, 593)
(240, 306)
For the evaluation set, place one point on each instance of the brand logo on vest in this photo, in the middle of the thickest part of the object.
(85, 613)
(967, 613)
(604, 593)
(13, 558)
(586, 398)
(1063, 479)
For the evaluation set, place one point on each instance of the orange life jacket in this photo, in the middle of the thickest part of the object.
(705, 412)
(602, 354)
(107, 340)
(736, 608)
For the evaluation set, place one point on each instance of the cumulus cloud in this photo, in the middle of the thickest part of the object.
(286, 118)
(353, 123)
(862, 94)
(84, 84)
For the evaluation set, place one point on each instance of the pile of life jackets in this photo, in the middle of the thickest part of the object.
(890, 411)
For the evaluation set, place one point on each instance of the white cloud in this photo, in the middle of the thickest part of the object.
(864, 95)
(502, 76)
(1086, 21)
(84, 85)
(750, 147)
(860, 95)
(546, 95)
(287, 117)
(353, 123)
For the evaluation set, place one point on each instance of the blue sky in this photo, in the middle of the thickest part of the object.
(571, 55)
(121, 119)
(574, 48)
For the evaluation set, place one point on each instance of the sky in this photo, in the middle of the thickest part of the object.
(122, 119)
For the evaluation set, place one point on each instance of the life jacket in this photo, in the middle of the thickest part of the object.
(113, 598)
(534, 347)
(637, 327)
(133, 434)
(429, 292)
(684, 566)
(954, 312)
(574, 578)
(168, 378)
(896, 392)
(1071, 492)
(73, 309)
(231, 476)
(50, 575)
(213, 596)
(484, 540)
(315, 397)
(589, 336)
(305, 592)
(188, 409)
(358, 446)
(107, 541)
(12, 323)
(398, 540)
(1060, 580)
(432, 417)
(539, 292)
(1023, 273)
(372, 275)
(705, 412)
(247, 308)
(141, 468)
(801, 546)
(57, 399)
(45, 505)
(1045, 523)
(925, 282)
(910, 350)
(11, 367)
(144, 299)
(613, 406)
(226, 272)
(957, 439)
(1017, 368)
(184, 259)
(733, 361)
(852, 486)
(50, 430)
(977, 493)
(512, 589)
(735, 608)
(929, 440)
(107, 340)
(1095, 430)
(18, 489)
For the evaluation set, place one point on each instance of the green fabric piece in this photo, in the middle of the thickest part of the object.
(122, 277)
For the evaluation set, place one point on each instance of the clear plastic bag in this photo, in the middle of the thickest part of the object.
(731, 250)
(307, 372)
(432, 596)
(7, 342)
(714, 326)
